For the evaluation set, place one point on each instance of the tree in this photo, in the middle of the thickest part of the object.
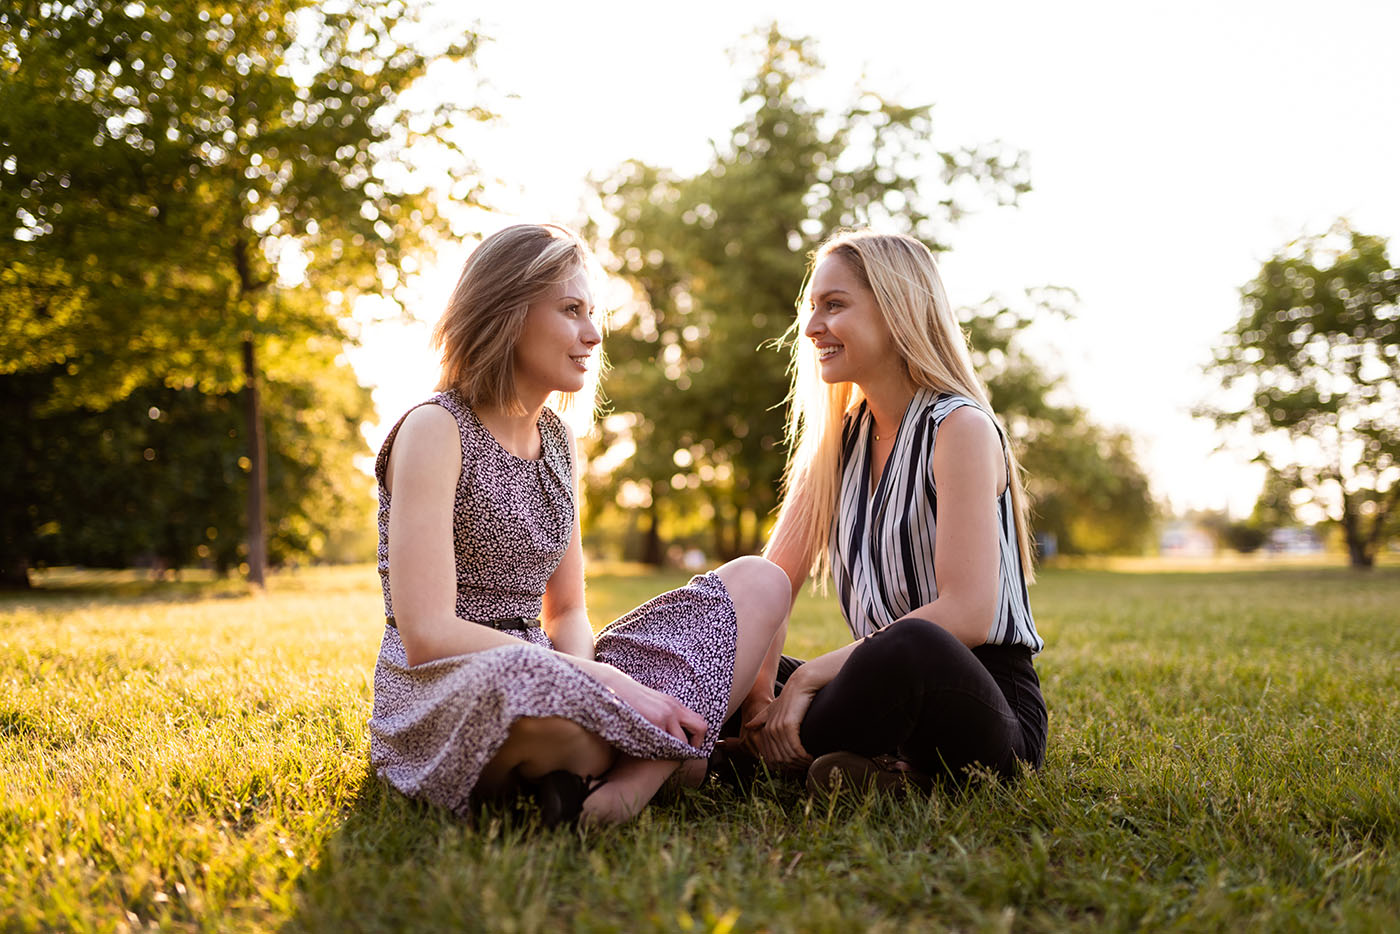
(716, 259)
(1315, 363)
(153, 479)
(1085, 486)
(168, 166)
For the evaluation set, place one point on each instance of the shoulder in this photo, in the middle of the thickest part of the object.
(429, 439)
(428, 419)
(555, 424)
(970, 423)
(968, 445)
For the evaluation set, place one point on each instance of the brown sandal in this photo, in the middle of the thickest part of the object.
(835, 770)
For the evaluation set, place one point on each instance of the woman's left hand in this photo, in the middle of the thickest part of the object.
(774, 730)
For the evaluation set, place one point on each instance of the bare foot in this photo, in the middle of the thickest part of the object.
(628, 788)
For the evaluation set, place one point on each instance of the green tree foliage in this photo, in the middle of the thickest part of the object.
(1274, 508)
(157, 478)
(159, 160)
(716, 260)
(1315, 357)
(1086, 488)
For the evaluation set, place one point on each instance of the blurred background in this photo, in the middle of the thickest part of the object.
(226, 229)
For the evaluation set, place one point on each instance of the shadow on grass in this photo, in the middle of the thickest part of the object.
(82, 588)
(397, 864)
(119, 588)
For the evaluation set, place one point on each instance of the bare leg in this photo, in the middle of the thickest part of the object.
(537, 746)
(761, 593)
(630, 785)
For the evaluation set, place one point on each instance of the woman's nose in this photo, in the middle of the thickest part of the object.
(590, 335)
(815, 326)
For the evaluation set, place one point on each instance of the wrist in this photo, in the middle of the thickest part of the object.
(801, 680)
(760, 694)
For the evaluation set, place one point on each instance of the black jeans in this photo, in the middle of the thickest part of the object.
(913, 690)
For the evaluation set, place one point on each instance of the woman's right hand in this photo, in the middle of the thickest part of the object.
(660, 709)
(775, 730)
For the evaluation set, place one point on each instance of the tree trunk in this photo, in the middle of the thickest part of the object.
(14, 574)
(1362, 558)
(257, 473)
(19, 448)
(717, 527)
(651, 543)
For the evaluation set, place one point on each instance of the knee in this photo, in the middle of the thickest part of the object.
(760, 590)
(908, 644)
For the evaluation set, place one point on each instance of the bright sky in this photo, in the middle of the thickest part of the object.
(1173, 147)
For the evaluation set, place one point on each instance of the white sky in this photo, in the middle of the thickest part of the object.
(1173, 147)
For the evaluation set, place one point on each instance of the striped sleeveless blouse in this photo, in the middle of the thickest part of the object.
(882, 542)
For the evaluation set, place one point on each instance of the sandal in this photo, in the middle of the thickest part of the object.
(884, 773)
(560, 796)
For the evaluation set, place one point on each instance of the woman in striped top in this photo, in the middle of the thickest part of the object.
(901, 486)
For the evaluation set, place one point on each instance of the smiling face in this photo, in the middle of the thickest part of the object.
(556, 342)
(851, 337)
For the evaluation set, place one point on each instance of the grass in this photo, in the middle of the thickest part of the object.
(1223, 756)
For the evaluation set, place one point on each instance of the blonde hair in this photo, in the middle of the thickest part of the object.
(901, 273)
(478, 332)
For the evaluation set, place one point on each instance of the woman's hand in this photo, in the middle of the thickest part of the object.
(774, 730)
(752, 706)
(661, 710)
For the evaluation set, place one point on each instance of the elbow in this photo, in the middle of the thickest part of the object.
(978, 614)
(417, 650)
(970, 620)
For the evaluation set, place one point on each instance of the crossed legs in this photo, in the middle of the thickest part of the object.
(760, 592)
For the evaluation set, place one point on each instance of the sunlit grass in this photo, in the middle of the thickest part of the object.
(1223, 755)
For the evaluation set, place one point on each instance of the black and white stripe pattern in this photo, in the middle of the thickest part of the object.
(882, 544)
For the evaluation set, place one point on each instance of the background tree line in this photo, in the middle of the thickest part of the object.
(195, 194)
(716, 261)
(1311, 370)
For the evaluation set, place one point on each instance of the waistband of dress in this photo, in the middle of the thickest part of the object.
(512, 623)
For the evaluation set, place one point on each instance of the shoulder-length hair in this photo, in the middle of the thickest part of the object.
(478, 332)
(902, 274)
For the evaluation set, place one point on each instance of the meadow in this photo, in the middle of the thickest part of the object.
(1224, 755)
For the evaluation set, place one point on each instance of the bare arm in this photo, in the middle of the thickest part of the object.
(789, 550)
(565, 610)
(971, 472)
(425, 464)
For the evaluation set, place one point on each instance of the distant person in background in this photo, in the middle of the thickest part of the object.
(489, 680)
(902, 486)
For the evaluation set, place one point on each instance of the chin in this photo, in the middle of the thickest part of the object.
(570, 386)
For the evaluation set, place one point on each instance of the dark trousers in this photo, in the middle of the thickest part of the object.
(913, 690)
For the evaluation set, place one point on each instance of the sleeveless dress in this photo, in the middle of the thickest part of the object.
(436, 725)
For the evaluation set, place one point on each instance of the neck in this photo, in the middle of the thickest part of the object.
(516, 432)
(888, 399)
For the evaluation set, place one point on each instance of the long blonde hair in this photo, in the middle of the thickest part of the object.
(901, 273)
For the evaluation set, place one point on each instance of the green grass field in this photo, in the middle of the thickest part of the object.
(1223, 756)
